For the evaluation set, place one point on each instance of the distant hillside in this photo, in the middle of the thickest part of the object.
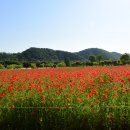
(45, 54)
(39, 54)
(95, 51)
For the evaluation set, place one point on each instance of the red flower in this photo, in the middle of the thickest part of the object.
(78, 95)
(98, 101)
(9, 90)
(86, 95)
(40, 90)
(106, 91)
(64, 95)
(79, 100)
(94, 92)
(122, 81)
(48, 86)
(2, 94)
(12, 106)
(92, 106)
(68, 99)
(104, 97)
(53, 98)
(58, 107)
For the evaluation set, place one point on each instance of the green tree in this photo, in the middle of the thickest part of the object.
(92, 58)
(99, 58)
(67, 62)
(125, 58)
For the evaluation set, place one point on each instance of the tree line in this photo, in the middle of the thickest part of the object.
(94, 60)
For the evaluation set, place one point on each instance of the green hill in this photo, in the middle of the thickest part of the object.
(95, 51)
(45, 54)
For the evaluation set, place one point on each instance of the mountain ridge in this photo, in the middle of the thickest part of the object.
(47, 54)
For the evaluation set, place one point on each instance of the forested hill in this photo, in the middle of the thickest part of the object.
(96, 51)
(45, 54)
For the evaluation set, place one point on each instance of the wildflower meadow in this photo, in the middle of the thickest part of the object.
(65, 98)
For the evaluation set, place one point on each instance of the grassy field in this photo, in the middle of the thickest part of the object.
(65, 98)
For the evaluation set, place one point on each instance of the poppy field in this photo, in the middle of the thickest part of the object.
(65, 98)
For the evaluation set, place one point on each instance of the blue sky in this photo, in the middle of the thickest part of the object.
(69, 25)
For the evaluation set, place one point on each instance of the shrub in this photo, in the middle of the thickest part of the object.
(2, 66)
(42, 65)
(33, 65)
(11, 66)
(95, 63)
(61, 64)
(18, 66)
(50, 64)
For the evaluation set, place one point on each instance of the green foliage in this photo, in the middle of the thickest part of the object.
(8, 57)
(78, 64)
(99, 58)
(89, 63)
(49, 64)
(61, 64)
(92, 63)
(108, 62)
(125, 58)
(2, 66)
(44, 57)
(95, 58)
(102, 63)
(42, 65)
(92, 58)
(6, 63)
(67, 62)
(39, 54)
(95, 63)
(48, 55)
(12, 66)
(33, 65)
(18, 66)
(62, 55)
(95, 51)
